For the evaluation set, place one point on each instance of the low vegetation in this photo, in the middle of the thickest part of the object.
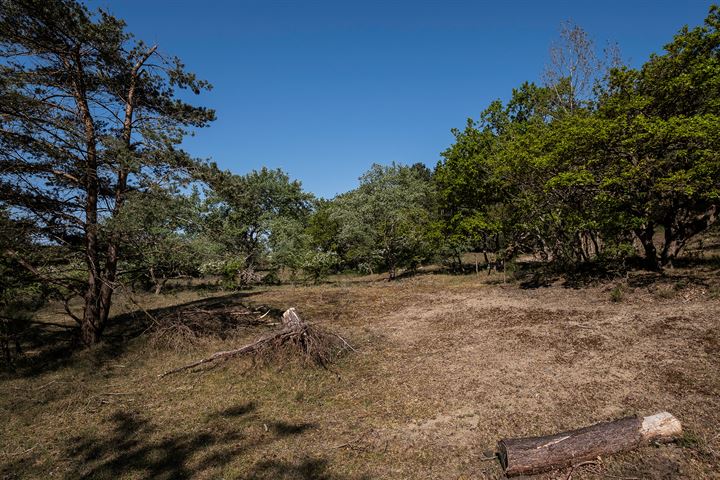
(558, 266)
(445, 365)
(601, 167)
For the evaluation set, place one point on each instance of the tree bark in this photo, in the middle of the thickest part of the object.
(527, 456)
(645, 236)
(160, 284)
(678, 232)
(91, 327)
(113, 250)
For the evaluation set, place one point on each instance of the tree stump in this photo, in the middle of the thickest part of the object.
(291, 319)
(538, 454)
(310, 342)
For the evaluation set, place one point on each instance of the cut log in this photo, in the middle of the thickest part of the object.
(532, 455)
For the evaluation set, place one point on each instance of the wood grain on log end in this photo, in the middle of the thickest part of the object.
(661, 427)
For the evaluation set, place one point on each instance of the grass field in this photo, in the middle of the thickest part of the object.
(445, 366)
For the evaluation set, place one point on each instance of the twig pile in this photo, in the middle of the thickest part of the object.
(311, 343)
(190, 325)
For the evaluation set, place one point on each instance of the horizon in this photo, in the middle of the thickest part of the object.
(323, 90)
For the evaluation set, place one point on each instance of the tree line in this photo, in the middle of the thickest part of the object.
(599, 163)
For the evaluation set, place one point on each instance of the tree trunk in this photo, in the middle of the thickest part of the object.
(581, 254)
(596, 246)
(107, 288)
(668, 243)
(646, 239)
(679, 232)
(159, 285)
(113, 253)
(90, 330)
(532, 455)
(91, 325)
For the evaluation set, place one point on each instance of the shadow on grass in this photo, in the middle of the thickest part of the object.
(285, 429)
(236, 410)
(54, 348)
(305, 469)
(131, 448)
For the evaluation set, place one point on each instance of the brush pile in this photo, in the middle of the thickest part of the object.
(296, 338)
(214, 321)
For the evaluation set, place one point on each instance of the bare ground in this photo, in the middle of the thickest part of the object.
(445, 366)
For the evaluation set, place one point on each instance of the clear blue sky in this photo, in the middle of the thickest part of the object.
(324, 89)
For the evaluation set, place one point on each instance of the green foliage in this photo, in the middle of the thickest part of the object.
(384, 223)
(577, 181)
(288, 243)
(89, 114)
(665, 132)
(318, 264)
(20, 293)
(617, 293)
(569, 173)
(256, 220)
(163, 235)
(324, 228)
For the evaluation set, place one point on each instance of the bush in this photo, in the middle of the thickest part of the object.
(617, 293)
(318, 265)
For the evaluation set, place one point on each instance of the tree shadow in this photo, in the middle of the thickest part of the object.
(55, 348)
(236, 410)
(131, 446)
(125, 450)
(677, 278)
(305, 469)
(285, 429)
(710, 262)
(537, 280)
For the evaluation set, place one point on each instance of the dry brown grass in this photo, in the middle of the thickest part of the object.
(446, 366)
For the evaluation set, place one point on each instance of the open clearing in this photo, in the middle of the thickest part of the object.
(445, 366)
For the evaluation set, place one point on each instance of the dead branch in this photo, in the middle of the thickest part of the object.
(311, 342)
(345, 342)
(191, 325)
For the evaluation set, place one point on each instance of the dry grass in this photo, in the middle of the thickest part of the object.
(446, 366)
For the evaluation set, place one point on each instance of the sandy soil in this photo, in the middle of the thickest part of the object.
(445, 367)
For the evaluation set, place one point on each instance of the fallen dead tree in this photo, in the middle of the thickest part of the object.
(527, 456)
(310, 342)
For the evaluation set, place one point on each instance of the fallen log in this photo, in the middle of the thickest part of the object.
(312, 343)
(527, 456)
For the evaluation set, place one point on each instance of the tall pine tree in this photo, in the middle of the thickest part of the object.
(87, 114)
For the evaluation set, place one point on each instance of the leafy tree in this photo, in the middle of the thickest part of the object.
(164, 237)
(318, 264)
(323, 228)
(665, 168)
(87, 115)
(575, 178)
(288, 243)
(468, 190)
(385, 221)
(291, 247)
(242, 212)
(20, 294)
